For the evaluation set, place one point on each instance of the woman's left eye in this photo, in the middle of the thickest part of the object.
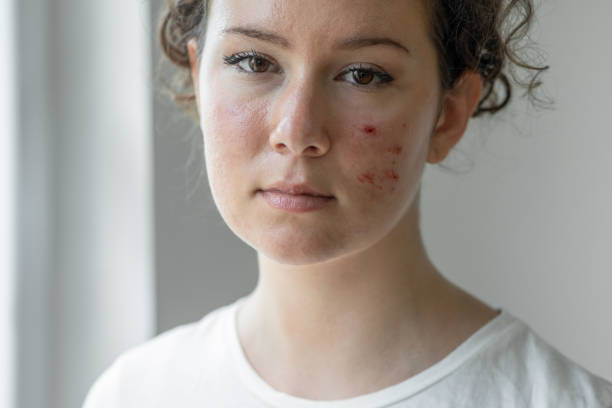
(364, 77)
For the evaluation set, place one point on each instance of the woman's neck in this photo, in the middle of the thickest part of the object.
(369, 318)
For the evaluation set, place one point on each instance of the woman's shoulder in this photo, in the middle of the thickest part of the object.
(168, 358)
(525, 361)
(179, 339)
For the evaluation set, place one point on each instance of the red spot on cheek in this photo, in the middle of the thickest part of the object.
(366, 178)
(397, 149)
(370, 130)
(404, 125)
(391, 174)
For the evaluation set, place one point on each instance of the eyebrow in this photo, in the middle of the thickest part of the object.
(349, 43)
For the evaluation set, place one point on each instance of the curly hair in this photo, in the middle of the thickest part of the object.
(479, 35)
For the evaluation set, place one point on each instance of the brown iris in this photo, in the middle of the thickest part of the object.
(363, 77)
(258, 64)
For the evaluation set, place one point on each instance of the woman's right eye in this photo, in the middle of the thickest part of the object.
(250, 62)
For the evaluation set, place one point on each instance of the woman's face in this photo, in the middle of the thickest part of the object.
(341, 94)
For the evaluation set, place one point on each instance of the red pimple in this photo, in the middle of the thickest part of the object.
(370, 130)
(404, 125)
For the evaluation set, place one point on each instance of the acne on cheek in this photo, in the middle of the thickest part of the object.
(387, 178)
(369, 130)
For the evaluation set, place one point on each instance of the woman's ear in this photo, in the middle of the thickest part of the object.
(458, 106)
(192, 47)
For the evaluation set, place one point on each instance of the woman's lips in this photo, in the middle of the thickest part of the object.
(296, 188)
(296, 203)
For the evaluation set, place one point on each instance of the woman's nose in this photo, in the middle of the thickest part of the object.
(299, 120)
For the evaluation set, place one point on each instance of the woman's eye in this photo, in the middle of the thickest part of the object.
(364, 77)
(250, 62)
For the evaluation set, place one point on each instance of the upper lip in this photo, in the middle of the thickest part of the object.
(291, 188)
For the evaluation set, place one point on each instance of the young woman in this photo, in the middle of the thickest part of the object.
(318, 118)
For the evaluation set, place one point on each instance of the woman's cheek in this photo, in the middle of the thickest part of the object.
(234, 122)
(230, 134)
(377, 152)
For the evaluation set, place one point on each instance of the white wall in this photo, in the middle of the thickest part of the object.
(529, 227)
(8, 150)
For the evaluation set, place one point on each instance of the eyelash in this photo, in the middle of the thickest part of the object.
(383, 78)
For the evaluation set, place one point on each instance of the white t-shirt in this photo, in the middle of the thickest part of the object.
(202, 364)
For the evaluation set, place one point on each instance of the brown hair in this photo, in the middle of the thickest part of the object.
(480, 35)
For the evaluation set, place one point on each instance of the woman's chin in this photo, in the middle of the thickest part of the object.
(299, 252)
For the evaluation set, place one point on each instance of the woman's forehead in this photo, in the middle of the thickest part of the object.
(322, 19)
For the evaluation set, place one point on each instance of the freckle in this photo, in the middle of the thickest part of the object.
(391, 174)
(370, 130)
(404, 125)
(397, 149)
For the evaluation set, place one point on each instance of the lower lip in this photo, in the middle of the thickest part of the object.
(295, 203)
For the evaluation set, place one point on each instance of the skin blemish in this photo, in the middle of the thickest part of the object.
(369, 130)
(404, 125)
(397, 149)
(385, 179)
(392, 175)
(367, 177)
